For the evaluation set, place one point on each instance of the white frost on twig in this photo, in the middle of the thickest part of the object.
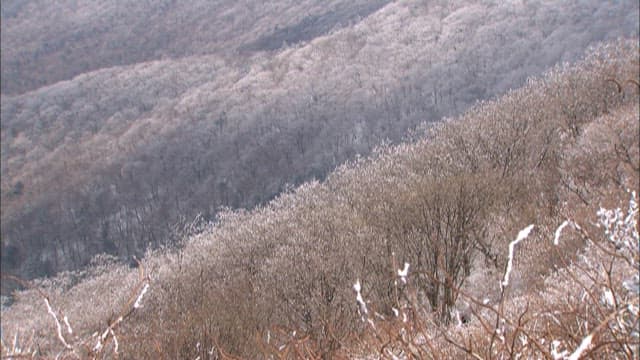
(521, 236)
(403, 273)
(607, 297)
(105, 334)
(632, 285)
(359, 299)
(69, 329)
(357, 286)
(584, 345)
(58, 326)
(115, 341)
(98, 346)
(558, 355)
(138, 303)
(556, 239)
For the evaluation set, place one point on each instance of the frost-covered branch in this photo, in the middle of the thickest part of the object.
(363, 306)
(58, 325)
(521, 236)
(77, 344)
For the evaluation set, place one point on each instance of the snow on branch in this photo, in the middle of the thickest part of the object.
(556, 238)
(58, 325)
(103, 337)
(403, 273)
(584, 345)
(359, 299)
(521, 236)
(135, 302)
(138, 303)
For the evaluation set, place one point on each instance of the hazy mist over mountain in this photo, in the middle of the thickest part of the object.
(123, 120)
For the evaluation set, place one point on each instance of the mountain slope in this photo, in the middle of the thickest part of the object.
(45, 42)
(449, 204)
(121, 158)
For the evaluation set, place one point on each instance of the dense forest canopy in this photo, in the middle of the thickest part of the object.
(312, 179)
(45, 42)
(510, 231)
(124, 121)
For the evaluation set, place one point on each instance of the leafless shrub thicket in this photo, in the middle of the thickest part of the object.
(71, 342)
(588, 309)
(278, 281)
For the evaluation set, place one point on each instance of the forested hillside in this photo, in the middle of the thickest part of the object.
(123, 121)
(510, 231)
(45, 42)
